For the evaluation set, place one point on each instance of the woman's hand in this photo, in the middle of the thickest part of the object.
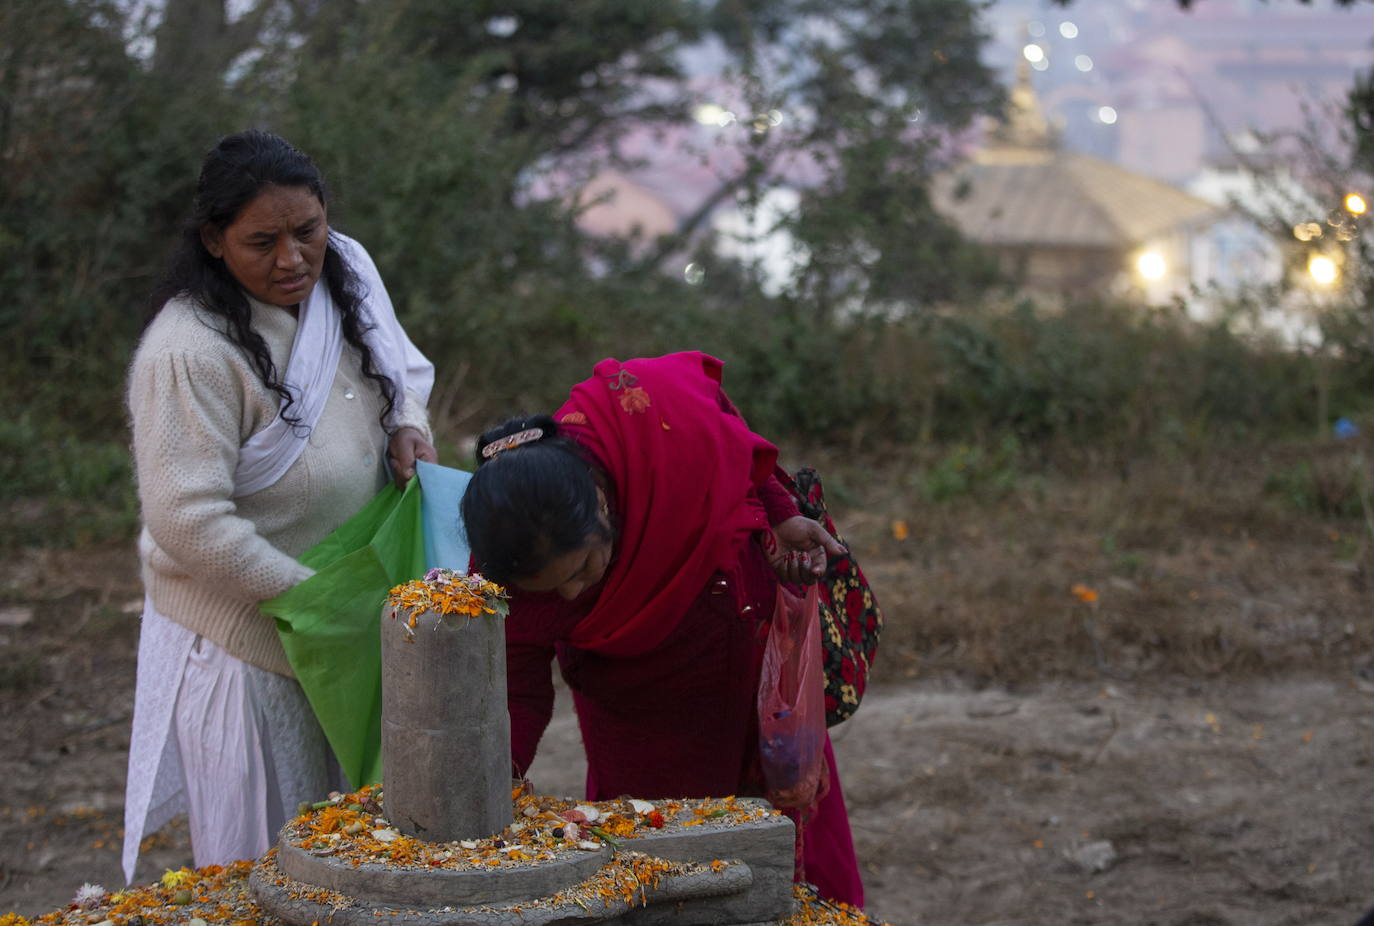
(797, 548)
(408, 445)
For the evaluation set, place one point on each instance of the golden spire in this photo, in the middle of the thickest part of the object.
(1024, 124)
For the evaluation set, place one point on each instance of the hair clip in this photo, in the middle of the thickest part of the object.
(511, 440)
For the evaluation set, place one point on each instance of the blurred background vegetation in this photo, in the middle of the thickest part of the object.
(452, 140)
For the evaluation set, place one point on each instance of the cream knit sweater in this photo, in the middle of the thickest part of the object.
(194, 398)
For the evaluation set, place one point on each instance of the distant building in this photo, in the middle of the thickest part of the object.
(613, 204)
(1071, 224)
(1180, 84)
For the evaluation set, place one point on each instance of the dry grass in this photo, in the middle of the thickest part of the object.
(1229, 561)
(1234, 561)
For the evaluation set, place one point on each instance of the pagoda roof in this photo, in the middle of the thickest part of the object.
(1057, 199)
(1023, 190)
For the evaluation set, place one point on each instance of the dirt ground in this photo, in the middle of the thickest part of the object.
(1154, 801)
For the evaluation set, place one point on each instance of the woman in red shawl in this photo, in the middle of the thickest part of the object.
(632, 528)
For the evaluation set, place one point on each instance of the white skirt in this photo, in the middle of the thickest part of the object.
(235, 747)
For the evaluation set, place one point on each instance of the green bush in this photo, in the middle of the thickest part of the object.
(1329, 486)
(60, 489)
(969, 470)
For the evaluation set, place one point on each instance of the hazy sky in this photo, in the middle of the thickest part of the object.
(1159, 89)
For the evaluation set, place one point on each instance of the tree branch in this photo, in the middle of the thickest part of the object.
(667, 244)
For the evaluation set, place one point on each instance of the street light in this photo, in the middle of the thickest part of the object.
(1355, 204)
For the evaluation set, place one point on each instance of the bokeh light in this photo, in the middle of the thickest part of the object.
(1083, 63)
(1322, 269)
(1068, 30)
(1033, 53)
(1151, 265)
(1355, 204)
(502, 26)
(1106, 115)
(713, 114)
(1307, 231)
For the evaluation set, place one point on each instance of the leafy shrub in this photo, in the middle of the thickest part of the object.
(1333, 486)
(969, 470)
(56, 488)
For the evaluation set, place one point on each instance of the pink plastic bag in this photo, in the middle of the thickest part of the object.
(792, 704)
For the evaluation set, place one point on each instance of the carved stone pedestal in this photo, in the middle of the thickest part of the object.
(429, 854)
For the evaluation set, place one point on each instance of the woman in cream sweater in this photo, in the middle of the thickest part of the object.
(272, 387)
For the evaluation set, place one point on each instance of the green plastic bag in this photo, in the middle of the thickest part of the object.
(330, 623)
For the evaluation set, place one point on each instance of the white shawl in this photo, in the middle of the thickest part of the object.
(314, 362)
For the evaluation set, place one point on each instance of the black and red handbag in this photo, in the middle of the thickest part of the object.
(850, 618)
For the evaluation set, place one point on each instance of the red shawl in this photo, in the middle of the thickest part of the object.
(682, 466)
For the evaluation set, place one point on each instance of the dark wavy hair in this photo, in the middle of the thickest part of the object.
(234, 172)
(528, 505)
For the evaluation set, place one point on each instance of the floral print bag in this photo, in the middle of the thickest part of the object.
(850, 618)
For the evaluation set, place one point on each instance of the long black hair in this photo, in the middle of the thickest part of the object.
(234, 172)
(528, 505)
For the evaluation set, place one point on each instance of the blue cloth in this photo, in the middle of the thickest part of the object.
(441, 490)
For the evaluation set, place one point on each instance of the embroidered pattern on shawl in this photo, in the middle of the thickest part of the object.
(682, 466)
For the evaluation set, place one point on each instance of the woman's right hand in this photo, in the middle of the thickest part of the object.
(797, 549)
(406, 447)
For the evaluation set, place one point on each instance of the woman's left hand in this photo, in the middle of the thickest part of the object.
(408, 445)
(797, 548)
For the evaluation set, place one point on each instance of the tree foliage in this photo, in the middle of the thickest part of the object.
(456, 136)
(873, 92)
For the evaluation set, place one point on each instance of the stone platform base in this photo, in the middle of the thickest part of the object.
(739, 873)
(693, 896)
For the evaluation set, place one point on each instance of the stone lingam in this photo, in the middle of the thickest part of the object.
(451, 841)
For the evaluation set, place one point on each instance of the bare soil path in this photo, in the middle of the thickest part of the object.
(1173, 803)
(1176, 803)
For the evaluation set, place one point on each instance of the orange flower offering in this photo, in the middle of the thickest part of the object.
(352, 827)
(447, 593)
(215, 894)
(222, 898)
